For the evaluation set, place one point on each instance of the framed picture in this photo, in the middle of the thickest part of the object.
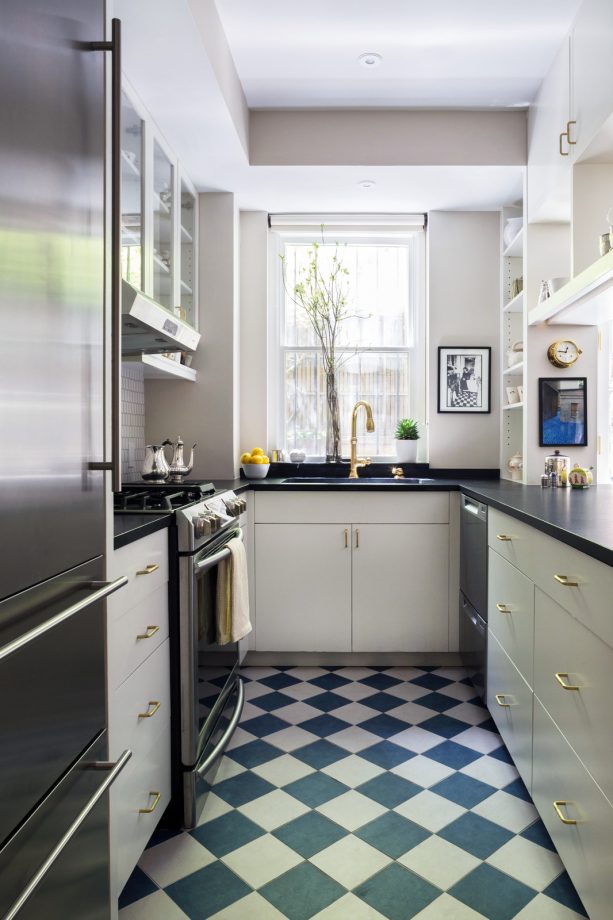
(464, 380)
(562, 411)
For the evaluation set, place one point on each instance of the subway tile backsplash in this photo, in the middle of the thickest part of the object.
(132, 421)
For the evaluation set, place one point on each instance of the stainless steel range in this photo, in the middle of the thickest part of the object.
(206, 689)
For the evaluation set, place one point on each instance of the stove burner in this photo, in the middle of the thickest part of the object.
(160, 497)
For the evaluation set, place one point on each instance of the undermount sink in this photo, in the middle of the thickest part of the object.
(365, 480)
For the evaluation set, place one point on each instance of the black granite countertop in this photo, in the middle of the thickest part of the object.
(131, 527)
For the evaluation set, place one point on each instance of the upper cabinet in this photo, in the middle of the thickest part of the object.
(163, 213)
(592, 40)
(132, 164)
(187, 233)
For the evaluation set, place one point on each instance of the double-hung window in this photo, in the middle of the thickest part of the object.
(382, 342)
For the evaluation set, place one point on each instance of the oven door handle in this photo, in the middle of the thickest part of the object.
(103, 589)
(203, 768)
(115, 770)
(209, 561)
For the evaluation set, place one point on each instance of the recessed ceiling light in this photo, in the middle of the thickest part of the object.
(370, 59)
(367, 183)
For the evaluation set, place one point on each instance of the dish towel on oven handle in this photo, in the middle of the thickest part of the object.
(232, 600)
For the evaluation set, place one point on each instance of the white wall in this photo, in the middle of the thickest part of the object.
(463, 281)
(207, 411)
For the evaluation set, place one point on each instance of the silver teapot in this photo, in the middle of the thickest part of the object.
(178, 468)
(155, 465)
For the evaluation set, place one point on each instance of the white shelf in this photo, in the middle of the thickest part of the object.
(516, 305)
(131, 166)
(162, 206)
(186, 288)
(514, 371)
(515, 249)
(186, 236)
(513, 406)
(161, 265)
(587, 299)
(157, 367)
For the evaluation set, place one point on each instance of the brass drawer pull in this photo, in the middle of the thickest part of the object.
(150, 711)
(560, 675)
(563, 153)
(557, 806)
(357, 538)
(500, 697)
(346, 532)
(568, 137)
(505, 538)
(149, 569)
(151, 631)
(504, 608)
(565, 581)
(156, 798)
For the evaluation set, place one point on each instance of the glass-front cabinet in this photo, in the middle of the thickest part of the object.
(159, 218)
(132, 158)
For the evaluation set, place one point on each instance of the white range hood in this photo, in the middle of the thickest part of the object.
(148, 327)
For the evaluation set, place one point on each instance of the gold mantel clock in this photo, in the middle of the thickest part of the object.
(563, 353)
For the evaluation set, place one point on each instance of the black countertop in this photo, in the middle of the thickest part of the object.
(131, 527)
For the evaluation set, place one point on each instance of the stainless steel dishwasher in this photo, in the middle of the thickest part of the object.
(473, 590)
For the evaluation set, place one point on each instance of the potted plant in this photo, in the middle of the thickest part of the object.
(407, 436)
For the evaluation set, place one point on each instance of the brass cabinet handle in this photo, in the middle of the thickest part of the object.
(567, 132)
(151, 631)
(500, 700)
(152, 567)
(357, 538)
(504, 608)
(560, 675)
(557, 807)
(156, 798)
(566, 582)
(505, 538)
(346, 538)
(563, 153)
(153, 706)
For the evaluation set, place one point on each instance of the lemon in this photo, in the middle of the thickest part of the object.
(246, 458)
(257, 459)
(265, 459)
(257, 452)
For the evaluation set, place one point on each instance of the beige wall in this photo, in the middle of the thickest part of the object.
(463, 282)
(253, 329)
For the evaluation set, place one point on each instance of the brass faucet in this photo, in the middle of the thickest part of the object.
(357, 462)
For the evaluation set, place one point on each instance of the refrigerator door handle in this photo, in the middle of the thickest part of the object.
(114, 46)
(103, 589)
(37, 878)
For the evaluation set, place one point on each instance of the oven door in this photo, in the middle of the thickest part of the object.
(208, 670)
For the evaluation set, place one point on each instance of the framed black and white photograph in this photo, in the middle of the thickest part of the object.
(464, 380)
(563, 411)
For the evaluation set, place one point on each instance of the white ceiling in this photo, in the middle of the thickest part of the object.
(473, 52)
(436, 53)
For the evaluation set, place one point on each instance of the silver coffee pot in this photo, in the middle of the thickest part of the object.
(560, 465)
(178, 469)
(155, 465)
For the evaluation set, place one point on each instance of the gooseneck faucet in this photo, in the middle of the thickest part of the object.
(357, 462)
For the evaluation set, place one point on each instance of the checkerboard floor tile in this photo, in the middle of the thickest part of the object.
(358, 794)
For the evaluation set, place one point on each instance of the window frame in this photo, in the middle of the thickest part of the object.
(415, 240)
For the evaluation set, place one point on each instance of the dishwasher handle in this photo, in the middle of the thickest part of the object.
(477, 509)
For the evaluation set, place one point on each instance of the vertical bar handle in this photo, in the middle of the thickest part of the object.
(357, 538)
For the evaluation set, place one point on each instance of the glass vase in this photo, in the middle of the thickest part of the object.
(333, 422)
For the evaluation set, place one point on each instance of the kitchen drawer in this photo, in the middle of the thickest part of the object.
(509, 700)
(511, 612)
(140, 693)
(584, 716)
(145, 563)
(585, 847)
(329, 507)
(514, 541)
(135, 633)
(145, 776)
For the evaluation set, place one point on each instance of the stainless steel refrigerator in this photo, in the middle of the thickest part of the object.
(53, 752)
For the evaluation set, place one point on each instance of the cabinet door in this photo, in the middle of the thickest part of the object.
(400, 588)
(592, 52)
(549, 173)
(303, 587)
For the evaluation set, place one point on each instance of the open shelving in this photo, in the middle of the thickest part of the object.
(511, 332)
(587, 299)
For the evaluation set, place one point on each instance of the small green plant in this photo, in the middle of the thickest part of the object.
(407, 430)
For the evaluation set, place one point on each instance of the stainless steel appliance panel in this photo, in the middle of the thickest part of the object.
(51, 287)
(52, 688)
(76, 881)
(473, 645)
(473, 553)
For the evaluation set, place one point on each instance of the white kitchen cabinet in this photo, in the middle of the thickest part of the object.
(345, 572)
(399, 587)
(550, 151)
(509, 700)
(138, 688)
(303, 587)
(511, 612)
(592, 39)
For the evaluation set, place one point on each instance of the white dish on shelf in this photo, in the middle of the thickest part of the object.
(511, 229)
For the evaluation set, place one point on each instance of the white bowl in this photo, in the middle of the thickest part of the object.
(255, 470)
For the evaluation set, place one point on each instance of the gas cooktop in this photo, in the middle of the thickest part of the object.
(160, 497)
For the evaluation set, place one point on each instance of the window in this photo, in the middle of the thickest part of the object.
(382, 341)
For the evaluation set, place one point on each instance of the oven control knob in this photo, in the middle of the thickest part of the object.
(242, 506)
